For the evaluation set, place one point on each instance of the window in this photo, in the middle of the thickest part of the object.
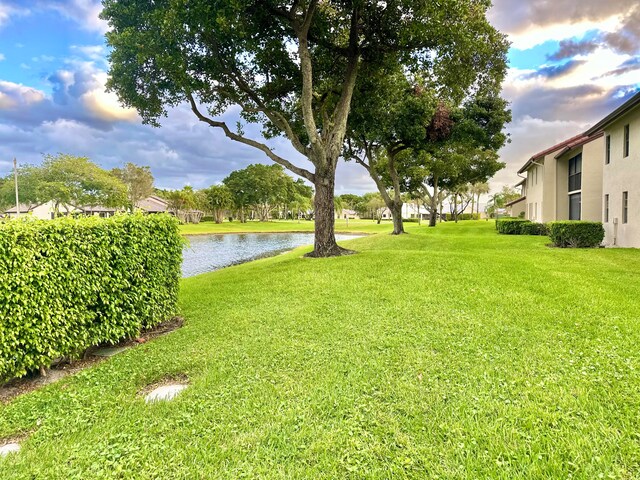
(575, 173)
(575, 201)
(626, 140)
(607, 155)
(625, 205)
(606, 208)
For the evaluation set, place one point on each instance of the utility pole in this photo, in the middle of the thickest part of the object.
(15, 177)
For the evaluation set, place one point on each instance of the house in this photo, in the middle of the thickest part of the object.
(564, 182)
(99, 211)
(347, 213)
(41, 211)
(620, 157)
(153, 204)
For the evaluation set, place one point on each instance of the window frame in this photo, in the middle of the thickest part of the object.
(606, 208)
(607, 150)
(625, 207)
(577, 195)
(625, 145)
(577, 185)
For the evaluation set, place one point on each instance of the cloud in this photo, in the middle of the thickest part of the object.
(2, 57)
(571, 48)
(7, 11)
(84, 12)
(624, 39)
(14, 95)
(631, 65)
(556, 71)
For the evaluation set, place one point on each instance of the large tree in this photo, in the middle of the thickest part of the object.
(290, 66)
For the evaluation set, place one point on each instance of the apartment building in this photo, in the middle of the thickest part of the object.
(593, 176)
(620, 201)
(564, 182)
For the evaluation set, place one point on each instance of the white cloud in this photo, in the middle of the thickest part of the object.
(534, 35)
(84, 12)
(2, 57)
(13, 95)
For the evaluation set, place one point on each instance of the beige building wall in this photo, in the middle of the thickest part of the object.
(591, 190)
(549, 188)
(519, 207)
(534, 189)
(623, 175)
(592, 171)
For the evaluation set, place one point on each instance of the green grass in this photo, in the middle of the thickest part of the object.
(280, 226)
(449, 353)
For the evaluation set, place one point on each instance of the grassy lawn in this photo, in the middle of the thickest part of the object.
(449, 353)
(279, 226)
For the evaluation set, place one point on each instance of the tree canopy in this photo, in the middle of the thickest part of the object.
(138, 180)
(66, 180)
(291, 66)
(262, 188)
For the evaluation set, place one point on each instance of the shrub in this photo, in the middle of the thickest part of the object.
(463, 216)
(68, 284)
(520, 226)
(510, 226)
(532, 228)
(576, 234)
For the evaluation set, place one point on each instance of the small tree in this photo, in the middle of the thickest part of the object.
(218, 200)
(138, 180)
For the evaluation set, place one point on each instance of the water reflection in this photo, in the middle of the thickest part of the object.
(206, 253)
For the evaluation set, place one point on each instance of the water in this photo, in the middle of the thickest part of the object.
(206, 253)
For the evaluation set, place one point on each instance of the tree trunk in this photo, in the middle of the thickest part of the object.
(455, 207)
(325, 240)
(396, 214)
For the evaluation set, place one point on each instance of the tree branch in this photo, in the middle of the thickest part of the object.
(306, 69)
(247, 141)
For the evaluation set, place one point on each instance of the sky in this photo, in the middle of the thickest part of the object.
(571, 62)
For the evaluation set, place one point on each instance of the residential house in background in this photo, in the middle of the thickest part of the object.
(620, 201)
(41, 211)
(153, 204)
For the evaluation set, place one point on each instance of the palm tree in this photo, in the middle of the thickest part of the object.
(476, 190)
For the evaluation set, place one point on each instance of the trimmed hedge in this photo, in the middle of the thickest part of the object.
(68, 284)
(576, 234)
(520, 226)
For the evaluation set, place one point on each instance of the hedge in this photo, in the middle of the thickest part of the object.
(520, 226)
(68, 284)
(576, 234)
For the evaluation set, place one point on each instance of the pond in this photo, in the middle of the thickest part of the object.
(206, 253)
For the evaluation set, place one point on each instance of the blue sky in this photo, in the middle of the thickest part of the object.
(571, 62)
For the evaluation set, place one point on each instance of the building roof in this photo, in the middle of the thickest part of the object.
(521, 182)
(24, 208)
(549, 150)
(515, 201)
(153, 204)
(97, 208)
(615, 115)
(578, 143)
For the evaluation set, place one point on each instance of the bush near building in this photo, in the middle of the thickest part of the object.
(68, 284)
(520, 226)
(576, 234)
